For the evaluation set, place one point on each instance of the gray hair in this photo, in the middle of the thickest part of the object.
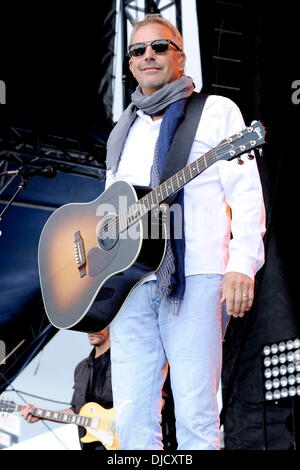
(158, 19)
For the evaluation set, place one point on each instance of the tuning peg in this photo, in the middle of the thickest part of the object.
(240, 161)
(250, 156)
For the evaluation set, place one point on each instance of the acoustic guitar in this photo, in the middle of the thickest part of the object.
(101, 249)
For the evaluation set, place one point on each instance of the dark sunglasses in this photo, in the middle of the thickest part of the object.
(158, 46)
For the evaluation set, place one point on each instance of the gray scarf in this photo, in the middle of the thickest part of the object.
(153, 104)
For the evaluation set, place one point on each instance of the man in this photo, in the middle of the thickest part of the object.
(148, 331)
(92, 383)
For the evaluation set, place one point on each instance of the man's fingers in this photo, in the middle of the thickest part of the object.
(26, 413)
(238, 293)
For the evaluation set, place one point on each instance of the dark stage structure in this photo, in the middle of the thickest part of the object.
(59, 73)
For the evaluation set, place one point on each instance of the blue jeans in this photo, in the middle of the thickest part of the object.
(146, 335)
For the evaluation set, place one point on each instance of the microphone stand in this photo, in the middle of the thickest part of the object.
(25, 174)
(22, 185)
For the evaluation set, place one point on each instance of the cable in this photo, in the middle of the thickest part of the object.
(37, 396)
(18, 392)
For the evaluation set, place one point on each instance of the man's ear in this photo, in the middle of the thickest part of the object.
(181, 61)
(131, 68)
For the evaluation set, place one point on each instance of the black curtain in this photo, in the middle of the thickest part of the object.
(57, 63)
(261, 82)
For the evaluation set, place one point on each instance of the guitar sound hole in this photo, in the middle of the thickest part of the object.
(108, 233)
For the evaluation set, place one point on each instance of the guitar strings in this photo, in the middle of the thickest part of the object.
(112, 225)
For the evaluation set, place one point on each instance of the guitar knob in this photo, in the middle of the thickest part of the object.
(240, 161)
(250, 156)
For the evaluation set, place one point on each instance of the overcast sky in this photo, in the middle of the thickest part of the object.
(50, 375)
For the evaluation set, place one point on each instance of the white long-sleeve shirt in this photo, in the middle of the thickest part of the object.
(226, 198)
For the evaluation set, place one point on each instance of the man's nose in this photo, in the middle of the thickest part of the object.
(149, 53)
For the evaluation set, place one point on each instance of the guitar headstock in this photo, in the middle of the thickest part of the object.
(7, 406)
(250, 138)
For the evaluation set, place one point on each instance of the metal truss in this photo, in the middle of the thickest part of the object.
(132, 8)
(222, 28)
(25, 148)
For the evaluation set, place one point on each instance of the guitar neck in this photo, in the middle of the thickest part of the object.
(166, 189)
(176, 182)
(58, 416)
(230, 148)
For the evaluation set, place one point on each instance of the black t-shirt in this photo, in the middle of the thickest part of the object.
(92, 383)
(99, 389)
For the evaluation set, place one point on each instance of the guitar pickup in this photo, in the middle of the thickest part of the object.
(79, 254)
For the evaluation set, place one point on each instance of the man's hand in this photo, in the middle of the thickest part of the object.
(238, 293)
(26, 412)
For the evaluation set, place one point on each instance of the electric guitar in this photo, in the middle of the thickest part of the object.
(98, 251)
(98, 421)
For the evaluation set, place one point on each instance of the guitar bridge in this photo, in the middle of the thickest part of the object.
(79, 254)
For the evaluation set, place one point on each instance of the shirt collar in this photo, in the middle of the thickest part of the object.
(148, 118)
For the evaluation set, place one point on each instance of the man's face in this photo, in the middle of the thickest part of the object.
(96, 339)
(152, 71)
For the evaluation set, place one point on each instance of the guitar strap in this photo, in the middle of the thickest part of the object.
(184, 137)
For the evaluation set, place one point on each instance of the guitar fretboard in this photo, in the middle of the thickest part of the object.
(164, 190)
(58, 416)
(134, 212)
(228, 149)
